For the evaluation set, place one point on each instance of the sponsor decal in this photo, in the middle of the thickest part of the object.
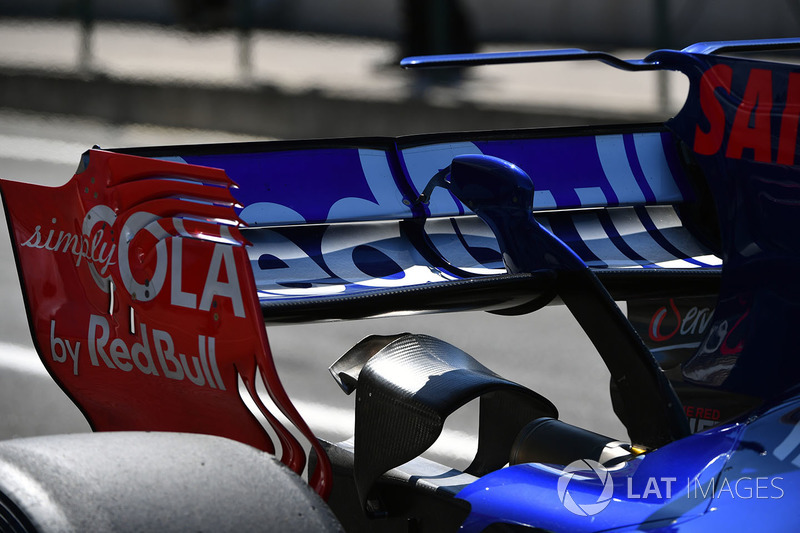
(668, 321)
(99, 248)
(117, 354)
(86, 246)
(750, 132)
(725, 336)
(701, 418)
(94, 246)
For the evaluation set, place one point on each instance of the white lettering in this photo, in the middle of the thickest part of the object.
(223, 254)
(57, 350)
(651, 489)
(701, 424)
(742, 488)
(82, 247)
(748, 490)
(715, 338)
(725, 487)
(177, 295)
(115, 354)
(212, 356)
(696, 321)
(631, 495)
(148, 290)
(140, 350)
(689, 321)
(96, 345)
(201, 341)
(197, 377)
(120, 355)
(669, 481)
(760, 487)
(60, 349)
(166, 351)
(35, 239)
(772, 482)
(339, 245)
(708, 493)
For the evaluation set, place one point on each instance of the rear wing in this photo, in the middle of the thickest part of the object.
(148, 276)
(339, 228)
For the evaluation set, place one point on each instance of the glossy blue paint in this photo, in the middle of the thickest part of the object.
(286, 188)
(742, 476)
(312, 185)
(309, 184)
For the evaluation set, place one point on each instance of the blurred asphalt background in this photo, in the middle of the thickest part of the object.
(74, 73)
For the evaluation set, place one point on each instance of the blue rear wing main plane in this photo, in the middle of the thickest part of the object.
(694, 222)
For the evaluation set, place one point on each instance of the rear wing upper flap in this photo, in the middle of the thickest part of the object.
(331, 220)
(313, 182)
(333, 223)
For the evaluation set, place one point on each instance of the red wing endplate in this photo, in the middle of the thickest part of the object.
(142, 302)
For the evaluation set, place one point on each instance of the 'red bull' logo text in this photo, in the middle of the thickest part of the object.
(752, 127)
(701, 418)
(154, 355)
